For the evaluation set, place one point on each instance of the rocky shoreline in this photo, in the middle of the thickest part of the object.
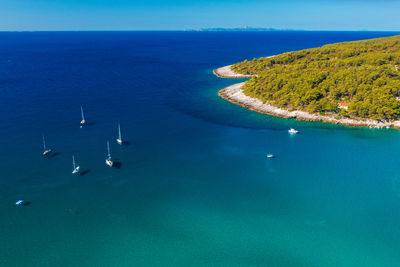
(226, 72)
(234, 94)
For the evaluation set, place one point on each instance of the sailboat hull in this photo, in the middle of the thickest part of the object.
(20, 202)
(76, 170)
(109, 162)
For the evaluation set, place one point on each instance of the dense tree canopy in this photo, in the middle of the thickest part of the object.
(365, 74)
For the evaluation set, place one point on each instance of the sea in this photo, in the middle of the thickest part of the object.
(191, 185)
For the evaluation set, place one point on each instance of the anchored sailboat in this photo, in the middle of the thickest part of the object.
(83, 117)
(45, 151)
(20, 202)
(119, 139)
(108, 159)
(75, 169)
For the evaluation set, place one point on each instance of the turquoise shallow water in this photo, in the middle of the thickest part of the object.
(194, 187)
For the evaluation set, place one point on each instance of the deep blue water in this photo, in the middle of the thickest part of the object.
(194, 187)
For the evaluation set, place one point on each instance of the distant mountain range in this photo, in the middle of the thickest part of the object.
(250, 29)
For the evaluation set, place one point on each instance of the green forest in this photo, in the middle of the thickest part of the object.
(363, 74)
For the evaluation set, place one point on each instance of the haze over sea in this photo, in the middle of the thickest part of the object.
(194, 186)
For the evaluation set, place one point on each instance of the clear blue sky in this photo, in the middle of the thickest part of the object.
(194, 14)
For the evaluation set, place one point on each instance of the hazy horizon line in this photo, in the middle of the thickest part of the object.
(202, 30)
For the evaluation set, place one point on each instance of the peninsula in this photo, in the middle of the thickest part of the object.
(350, 83)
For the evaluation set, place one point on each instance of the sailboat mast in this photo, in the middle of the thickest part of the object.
(83, 118)
(108, 149)
(44, 143)
(119, 132)
(73, 162)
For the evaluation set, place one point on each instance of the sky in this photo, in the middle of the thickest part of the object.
(75, 15)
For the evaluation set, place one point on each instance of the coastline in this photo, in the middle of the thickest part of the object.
(227, 72)
(234, 94)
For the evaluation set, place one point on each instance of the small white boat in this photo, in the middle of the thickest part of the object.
(293, 131)
(119, 139)
(45, 150)
(20, 202)
(270, 156)
(83, 117)
(75, 169)
(108, 158)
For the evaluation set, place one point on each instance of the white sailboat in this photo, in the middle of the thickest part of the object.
(108, 158)
(45, 150)
(20, 202)
(293, 131)
(119, 139)
(75, 169)
(83, 117)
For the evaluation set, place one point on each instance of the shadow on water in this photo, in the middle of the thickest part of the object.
(127, 143)
(87, 124)
(55, 154)
(83, 173)
(117, 164)
(27, 203)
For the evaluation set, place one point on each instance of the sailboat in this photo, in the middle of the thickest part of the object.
(119, 139)
(75, 169)
(108, 159)
(20, 202)
(83, 117)
(45, 151)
